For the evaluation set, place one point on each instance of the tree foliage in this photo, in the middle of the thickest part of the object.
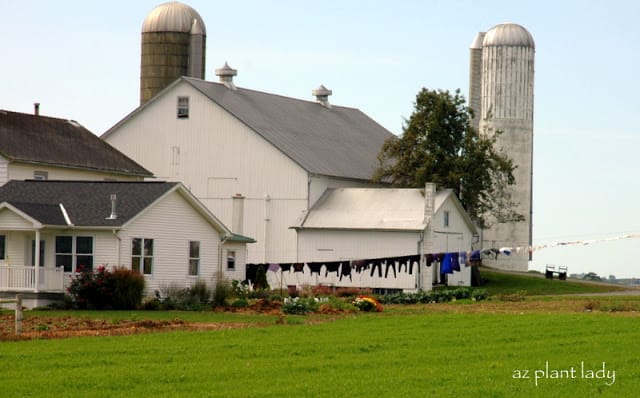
(439, 145)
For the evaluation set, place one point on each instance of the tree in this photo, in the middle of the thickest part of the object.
(439, 145)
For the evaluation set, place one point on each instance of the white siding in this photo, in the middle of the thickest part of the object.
(12, 221)
(18, 171)
(216, 157)
(171, 224)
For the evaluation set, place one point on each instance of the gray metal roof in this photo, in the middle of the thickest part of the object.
(336, 141)
(173, 17)
(51, 141)
(371, 209)
(508, 34)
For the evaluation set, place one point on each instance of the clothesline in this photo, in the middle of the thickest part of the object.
(581, 242)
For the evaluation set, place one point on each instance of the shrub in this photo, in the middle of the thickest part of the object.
(300, 305)
(103, 289)
(176, 297)
(221, 291)
(479, 294)
(240, 303)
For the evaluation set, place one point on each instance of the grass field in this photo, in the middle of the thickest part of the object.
(422, 350)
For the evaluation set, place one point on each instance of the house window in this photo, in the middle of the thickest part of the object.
(446, 218)
(194, 258)
(231, 259)
(183, 107)
(142, 255)
(74, 252)
(40, 175)
(3, 247)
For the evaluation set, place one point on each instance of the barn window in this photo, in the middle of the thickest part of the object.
(446, 218)
(231, 259)
(194, 258)
(183, 108)
(142, 255)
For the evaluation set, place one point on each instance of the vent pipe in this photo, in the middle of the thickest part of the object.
(36, 108)
(113, 214)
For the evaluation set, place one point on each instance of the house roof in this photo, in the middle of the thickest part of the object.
(58, 142)
(387, 209)
(336, 141)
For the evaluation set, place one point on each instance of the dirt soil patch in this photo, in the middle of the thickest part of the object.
(42, 327)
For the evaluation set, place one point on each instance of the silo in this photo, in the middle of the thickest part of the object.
(506, 103)
(475, 78)
(173, 45)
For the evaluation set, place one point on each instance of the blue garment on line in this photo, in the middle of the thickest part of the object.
(455, 261)
(445, 264)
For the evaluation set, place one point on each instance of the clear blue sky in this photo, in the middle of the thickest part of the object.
(81, 61)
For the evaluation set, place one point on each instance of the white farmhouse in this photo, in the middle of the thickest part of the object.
(156, 228)
(267, 156)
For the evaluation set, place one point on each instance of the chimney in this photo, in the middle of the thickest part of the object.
(237, 214)
(226, 74)
(36, 108)
(113, 214)
(429, 201)
(322, 95)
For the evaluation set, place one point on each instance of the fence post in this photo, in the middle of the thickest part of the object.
(18, 314)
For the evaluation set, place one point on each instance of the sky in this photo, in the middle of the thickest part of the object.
(81, 61)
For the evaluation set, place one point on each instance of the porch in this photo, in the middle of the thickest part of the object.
(15, 278)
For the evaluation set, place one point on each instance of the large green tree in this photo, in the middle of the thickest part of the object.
(439, 145)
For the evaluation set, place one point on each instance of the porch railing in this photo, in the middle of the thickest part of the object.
(20, 278)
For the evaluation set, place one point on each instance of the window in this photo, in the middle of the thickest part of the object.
(231, 259)
(74, 252)
(183, 108)
(3, 247)
(40, 175)
(446, 218)
(142, 255)
(194, 257)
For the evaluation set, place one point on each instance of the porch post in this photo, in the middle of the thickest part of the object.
(36, 260)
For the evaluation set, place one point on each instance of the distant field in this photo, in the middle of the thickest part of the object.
(508, 283)
(461, 349)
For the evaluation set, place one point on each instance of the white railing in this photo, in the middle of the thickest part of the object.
(19, 278)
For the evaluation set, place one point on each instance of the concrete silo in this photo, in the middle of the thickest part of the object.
(501, 94)
(173, 45)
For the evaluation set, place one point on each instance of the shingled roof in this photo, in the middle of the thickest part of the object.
(87, 203)
(58, 142)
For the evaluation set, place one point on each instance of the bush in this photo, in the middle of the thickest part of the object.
(367, 303)
(240, 303)
(222, 291)
(479, 294)
(120, 289)
(175, 297)
(300, 305)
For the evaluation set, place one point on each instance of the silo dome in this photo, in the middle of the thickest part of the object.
(172, 17)
(508, 34)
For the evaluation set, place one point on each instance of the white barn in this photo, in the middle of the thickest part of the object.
(382, 226)
(266, 156)
(156, 228)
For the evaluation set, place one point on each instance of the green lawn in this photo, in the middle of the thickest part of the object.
(507, 283)
(390, 354)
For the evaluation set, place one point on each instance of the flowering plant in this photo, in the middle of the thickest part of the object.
(367, 303)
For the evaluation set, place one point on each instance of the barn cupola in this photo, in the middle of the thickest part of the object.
(226, 74)
(322, 96)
